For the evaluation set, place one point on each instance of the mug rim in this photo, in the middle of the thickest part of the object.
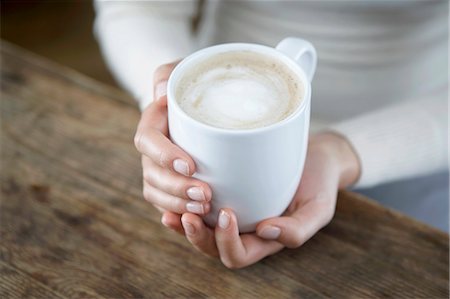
(220, 48)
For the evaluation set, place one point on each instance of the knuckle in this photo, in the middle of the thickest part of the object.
(228, 263)
(157, 177)
(328, 217)
(163, 158)
(158, 152)
(148, 195)
(296, 241)
(231, 263)
(147, 175)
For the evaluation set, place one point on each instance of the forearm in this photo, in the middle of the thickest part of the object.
(137, 37)
(399, 142)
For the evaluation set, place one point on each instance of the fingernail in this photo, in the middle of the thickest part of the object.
(196, 193)
(270, 232)
(181, 166)
(160, 90)
(195, 207)
(224, 220)
(188, 228)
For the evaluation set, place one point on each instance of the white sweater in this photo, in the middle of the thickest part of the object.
(381, 80)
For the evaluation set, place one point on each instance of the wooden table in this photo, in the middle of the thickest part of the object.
(74, 225)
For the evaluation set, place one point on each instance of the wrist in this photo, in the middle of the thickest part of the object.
(341, 152)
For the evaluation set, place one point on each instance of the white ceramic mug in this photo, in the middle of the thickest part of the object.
(255, 172)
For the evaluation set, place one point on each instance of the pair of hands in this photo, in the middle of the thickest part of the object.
(168, 184)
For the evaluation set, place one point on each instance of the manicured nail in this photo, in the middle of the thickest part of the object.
(224, 219)
(195, 207)
(188, 228)
(160, 90)
(270, 232)
(181, 166)
(196, 193)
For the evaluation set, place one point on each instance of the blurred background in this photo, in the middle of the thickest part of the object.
(59, 30)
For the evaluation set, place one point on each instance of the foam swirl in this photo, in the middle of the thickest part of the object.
(239, 90)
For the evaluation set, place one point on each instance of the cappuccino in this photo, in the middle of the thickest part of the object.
(239, 90)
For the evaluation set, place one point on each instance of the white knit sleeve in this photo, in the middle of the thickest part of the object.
(136, 37)
(399, 142)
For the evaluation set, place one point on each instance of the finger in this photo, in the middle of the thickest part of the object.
(294, 230)
(155, 117)
(151, 140)
(172, 203)
(173, 222)
(240, 251)
(160, 78)
(173, 183)
(163, 72)
(199, 235)
(163, 152)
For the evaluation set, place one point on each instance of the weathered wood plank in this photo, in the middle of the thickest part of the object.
(73, 222)
(17, 284)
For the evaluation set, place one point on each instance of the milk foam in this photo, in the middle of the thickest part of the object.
(239, 90)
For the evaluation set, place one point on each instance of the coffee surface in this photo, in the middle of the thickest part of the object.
(239, 90)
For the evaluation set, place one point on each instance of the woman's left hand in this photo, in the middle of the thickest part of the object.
(330, 164)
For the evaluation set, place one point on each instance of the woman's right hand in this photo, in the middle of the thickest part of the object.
(167, 169)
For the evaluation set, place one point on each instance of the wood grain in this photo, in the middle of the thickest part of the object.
(74, 225)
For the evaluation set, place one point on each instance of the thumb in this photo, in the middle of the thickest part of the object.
(297, 228)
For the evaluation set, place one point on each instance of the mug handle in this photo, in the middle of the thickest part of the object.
(302, 52)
